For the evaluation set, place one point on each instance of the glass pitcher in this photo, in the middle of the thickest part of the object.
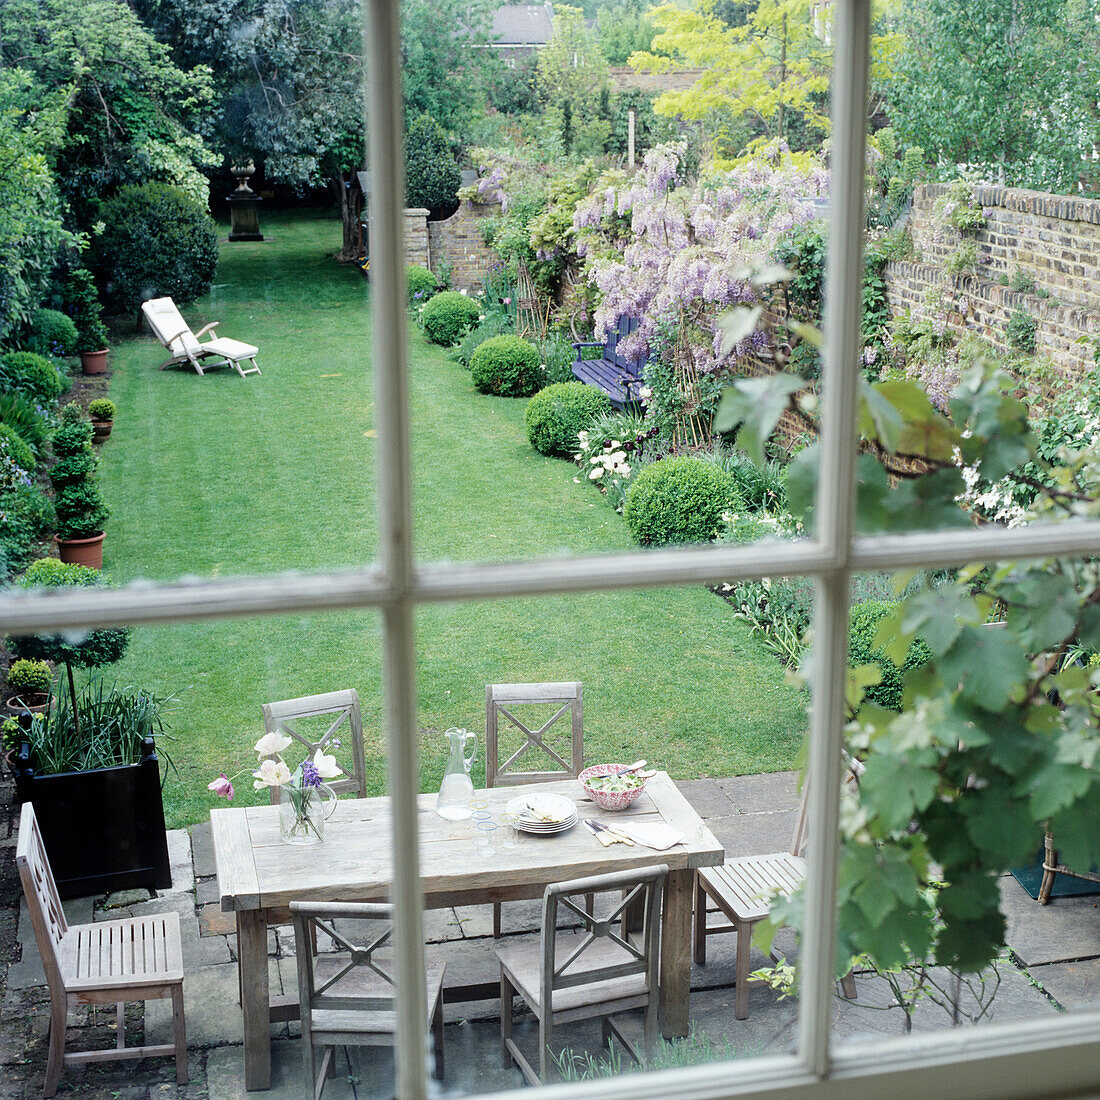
(457, 789)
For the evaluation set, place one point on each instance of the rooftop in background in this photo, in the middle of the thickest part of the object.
(523, 26)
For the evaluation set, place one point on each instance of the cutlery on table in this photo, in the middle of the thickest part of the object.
(540, 815)
(603, 838)
(627, 770)
(603, 829)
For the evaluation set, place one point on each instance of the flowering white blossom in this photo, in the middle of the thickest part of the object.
(326, 766)
(271, 744)
(271, 773)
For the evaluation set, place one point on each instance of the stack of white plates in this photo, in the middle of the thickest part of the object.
(543, 813)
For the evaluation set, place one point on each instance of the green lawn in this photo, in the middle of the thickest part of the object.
(221, 475)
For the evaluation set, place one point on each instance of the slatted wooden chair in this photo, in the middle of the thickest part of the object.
(506, 700)
(111, 962)
(346, 728)
(185, 346)
(1052, 866)
(597, 973)
(742, 891)
(348, 997)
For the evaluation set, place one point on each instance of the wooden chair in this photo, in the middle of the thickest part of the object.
(1053, 866)
(742, 890)
(506, 699)
(280, 718)
(175, 334)
(594, 974)
(347, 998)
(111, 962)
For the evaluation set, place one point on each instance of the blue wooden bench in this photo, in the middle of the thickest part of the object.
(620, 378)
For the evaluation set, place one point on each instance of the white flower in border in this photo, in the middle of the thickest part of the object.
(463, 292)
(595, 475)
(271, 744)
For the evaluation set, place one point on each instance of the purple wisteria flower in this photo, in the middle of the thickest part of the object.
(311, 777)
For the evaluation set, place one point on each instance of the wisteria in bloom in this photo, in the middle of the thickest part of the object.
(690, 247)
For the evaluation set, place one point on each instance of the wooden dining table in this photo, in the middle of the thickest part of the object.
(259, 874)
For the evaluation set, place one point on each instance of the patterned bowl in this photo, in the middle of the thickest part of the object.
(608, 800)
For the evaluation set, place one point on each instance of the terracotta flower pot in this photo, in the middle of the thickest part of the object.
(34, 701)
(94, 362)
(82, 551)
(102, 430)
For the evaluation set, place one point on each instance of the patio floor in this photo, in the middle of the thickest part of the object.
(1054, 964)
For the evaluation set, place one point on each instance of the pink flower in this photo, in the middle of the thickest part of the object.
(507, 301)
(222, 787)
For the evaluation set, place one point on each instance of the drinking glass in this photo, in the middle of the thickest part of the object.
(510, 834)
(485, 838)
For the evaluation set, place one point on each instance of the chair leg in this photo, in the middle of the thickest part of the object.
(741, 993)
(1046, 886)
(699, 927)
(56, 1035)
(506, 995)
(496, 920)
(546, 1036)
(180, 1031)
(437, 1039)
(651, 1028)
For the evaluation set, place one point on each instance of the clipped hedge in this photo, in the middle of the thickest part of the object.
(447, 316)
(157, 242)
(864, 619)
(421, 283)
(17, 448)
(556, 414)
(35, 377)
(678, 500)
(51, 333)
(507, 366)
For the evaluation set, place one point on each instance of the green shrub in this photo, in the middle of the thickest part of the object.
(156, 242)
(556, 415)
(90, 650)
(83, 300)
(17, 448)
(678, 500)
(495, 324)
(507, 366)
(864, 621)
(18, 413)
(30, 677)
(420, 282)
(759, 487)
(73, 438)
(26, 515)
(35, 377)
(51, 333)
(81, 512)
(73, 468)
(447, 316)
(557, 356)
(431, 172)
(1020, 331)
(102, 408)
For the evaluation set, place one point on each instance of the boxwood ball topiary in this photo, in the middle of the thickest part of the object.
(447, 316)
(507, 366)
(35, 377)
(863, 621)
(52, 333)
(421, 282)
(678, 500)
(556, 414)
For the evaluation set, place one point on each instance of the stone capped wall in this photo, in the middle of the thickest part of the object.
(416, 236)
(460, 242)
(1054, 239)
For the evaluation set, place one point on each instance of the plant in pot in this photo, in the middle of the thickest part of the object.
(102, 412)
(81, 512)
(91, 342)
(91, 769)
(29, 682)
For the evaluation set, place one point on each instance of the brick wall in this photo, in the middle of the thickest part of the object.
(459, 241)
(416, 236)
(625, 79)
(1054, 239)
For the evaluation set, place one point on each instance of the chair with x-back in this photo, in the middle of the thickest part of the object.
(348, 996)
(598, 971)
(550, 702)
(306, 721)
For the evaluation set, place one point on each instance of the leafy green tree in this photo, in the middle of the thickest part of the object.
(572, 69)
(431, 171)
(623, 29)
(131, 112)
(1004, 88)
(774, 68)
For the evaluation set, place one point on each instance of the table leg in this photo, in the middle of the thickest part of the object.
(676, 954)
(255, 1003)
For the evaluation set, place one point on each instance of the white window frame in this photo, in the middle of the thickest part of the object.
(1044, 1057)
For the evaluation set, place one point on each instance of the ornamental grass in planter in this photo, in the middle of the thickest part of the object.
(81, 513)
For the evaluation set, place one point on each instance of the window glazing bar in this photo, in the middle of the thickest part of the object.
(834, 518)
(294, 593)
(382, 33)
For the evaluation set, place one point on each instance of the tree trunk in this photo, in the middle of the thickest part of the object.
(349, 215)
(72, 699)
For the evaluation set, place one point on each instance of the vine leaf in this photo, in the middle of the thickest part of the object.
(756, 404)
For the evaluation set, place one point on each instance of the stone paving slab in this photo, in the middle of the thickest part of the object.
(753, 794)
(202, 850)
(1065, 930)
(1072, 984)
(708, 798)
